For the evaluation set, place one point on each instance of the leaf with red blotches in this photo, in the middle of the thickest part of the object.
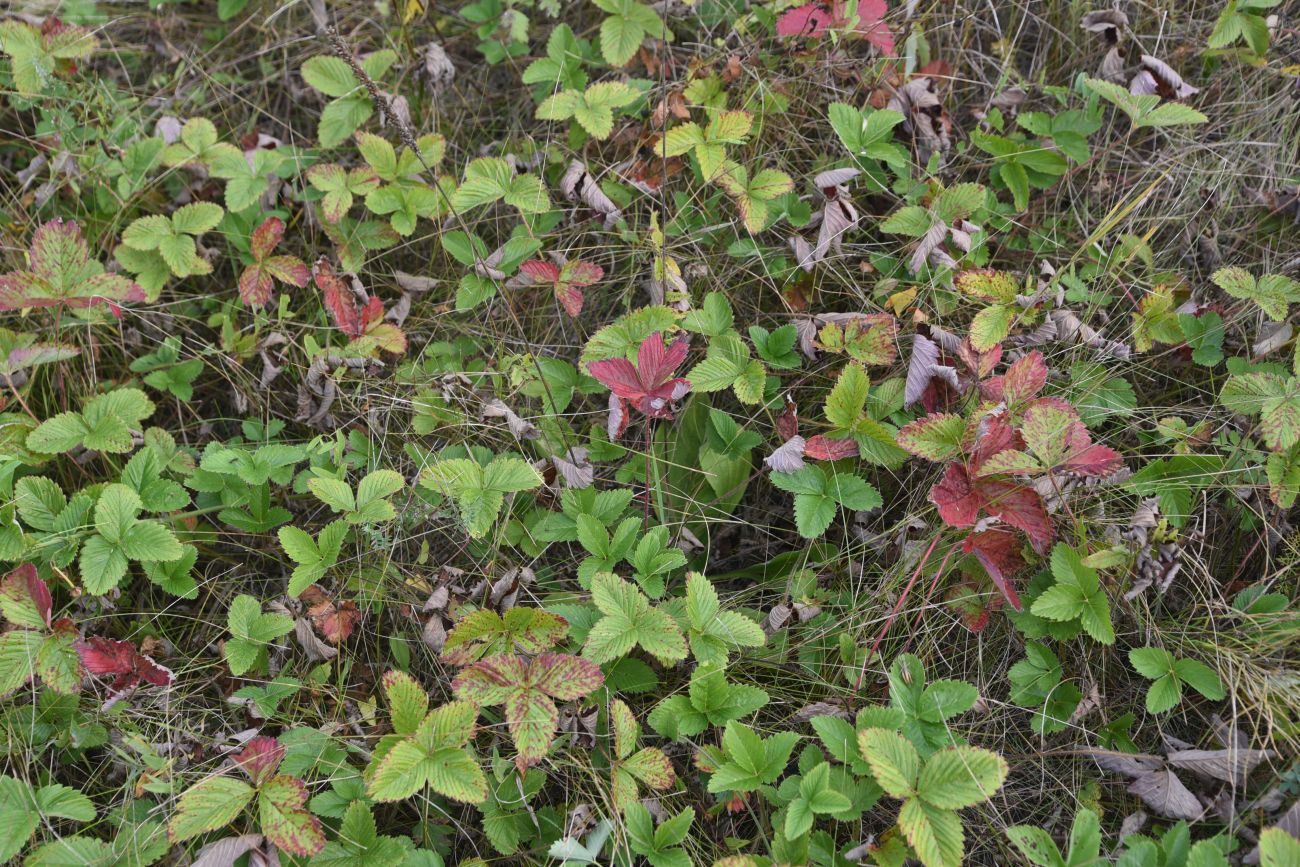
(339, 300)
(121, 658)
(1058, 442)
(935, 437)
(257, 282)
(649, 385)
(527, 691)
(285, 819)
(261, 758)
(565, 677)
(62, 273)
(334, 620)
(989, 436)
(1023, 380)
(869, 338)
(824, 448)
(567, 281)
(998, 551)
(25, 599)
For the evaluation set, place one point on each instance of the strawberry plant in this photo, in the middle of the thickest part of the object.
(613, 432)
(527, 691)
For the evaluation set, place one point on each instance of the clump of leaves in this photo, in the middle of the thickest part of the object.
(479, 490)
(1168, 674)
(282, 811)
(35, 645)
(593, 109)
(251, 634)
(932, 791)
(427, 747)
(156, 248)
(528, 689)
(628, 620)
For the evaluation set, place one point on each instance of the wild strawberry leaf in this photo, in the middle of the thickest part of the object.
(285, 819)
(627, 620)
(61, 272)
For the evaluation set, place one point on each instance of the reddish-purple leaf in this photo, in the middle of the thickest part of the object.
(121, 658)
(339, 300)
(261, 758)
(1020, 506)
(998, 552)
(787, 423)
(649, 385)
(957, 501)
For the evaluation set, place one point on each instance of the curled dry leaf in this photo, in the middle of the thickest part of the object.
(1229, 765)
(1164, 793)
(1159, 78)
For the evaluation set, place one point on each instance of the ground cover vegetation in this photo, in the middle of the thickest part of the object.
(728, 432)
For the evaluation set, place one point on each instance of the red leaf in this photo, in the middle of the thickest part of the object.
(261, 758)
(570, 298)
(1022, 381)
(823, 448)
(1020, 506)
(810, 19)
(1094, 460)
(871, 25)
(106, 656)
(999, 553)
(339, 300)
(255, 286)
(540, 271)
(649, 385)
(958, 502)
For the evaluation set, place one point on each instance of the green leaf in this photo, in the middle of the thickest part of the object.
(894, 762)
(1036, 845)
(330, 75)
(1201, 678)
(629, 620)
(209, 805)
(935, 834)
(960, 777)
